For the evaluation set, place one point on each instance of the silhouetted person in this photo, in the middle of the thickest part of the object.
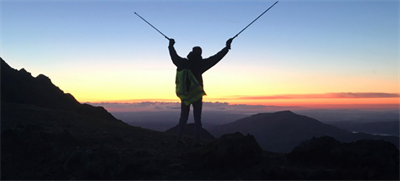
(190, 90)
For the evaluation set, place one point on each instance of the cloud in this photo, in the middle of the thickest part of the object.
(324, 96)
(364, 95)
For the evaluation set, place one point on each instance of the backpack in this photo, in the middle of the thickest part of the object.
(188, 88)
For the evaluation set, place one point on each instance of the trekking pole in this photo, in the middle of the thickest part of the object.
(255, 20)
(151, 25)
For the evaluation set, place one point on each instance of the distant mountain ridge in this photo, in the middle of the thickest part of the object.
(282, 131)
(22, 88)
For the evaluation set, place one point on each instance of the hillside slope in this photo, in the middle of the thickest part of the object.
(19, 86)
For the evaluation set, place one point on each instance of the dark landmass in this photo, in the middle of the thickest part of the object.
(57, 139)
(41, 144)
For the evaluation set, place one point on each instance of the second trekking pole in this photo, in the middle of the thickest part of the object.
(255, 20)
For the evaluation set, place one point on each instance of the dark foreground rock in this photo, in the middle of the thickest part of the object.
(364, 159)
(231, 151)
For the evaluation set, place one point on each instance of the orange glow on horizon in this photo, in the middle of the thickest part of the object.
(383, 103)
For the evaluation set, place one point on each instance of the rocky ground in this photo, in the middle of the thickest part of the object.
(43, 144)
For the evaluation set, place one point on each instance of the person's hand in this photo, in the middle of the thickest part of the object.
(229, 42)
(171, 42)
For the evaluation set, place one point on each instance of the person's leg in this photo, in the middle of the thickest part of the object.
(197, 108)
(183, 120)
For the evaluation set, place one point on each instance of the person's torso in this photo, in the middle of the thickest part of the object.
(195, 66)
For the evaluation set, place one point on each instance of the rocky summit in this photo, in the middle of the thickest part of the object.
(189, 131)
(57, 138)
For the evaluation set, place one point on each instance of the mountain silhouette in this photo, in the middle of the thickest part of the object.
(282, 131)
(47, 135)
(20, 87)
(189, 131)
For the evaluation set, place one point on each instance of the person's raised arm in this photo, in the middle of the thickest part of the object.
(211, 61)
(176, 59)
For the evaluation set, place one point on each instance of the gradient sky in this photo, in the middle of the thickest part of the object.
(298, 53)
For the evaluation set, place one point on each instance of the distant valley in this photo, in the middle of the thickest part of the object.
(371, 122)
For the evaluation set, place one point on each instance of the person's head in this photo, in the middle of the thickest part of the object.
(197, 50)
(195, 53)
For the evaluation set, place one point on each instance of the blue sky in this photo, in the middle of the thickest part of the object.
(298, 47)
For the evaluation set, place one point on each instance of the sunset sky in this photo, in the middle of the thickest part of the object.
(300, 53)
